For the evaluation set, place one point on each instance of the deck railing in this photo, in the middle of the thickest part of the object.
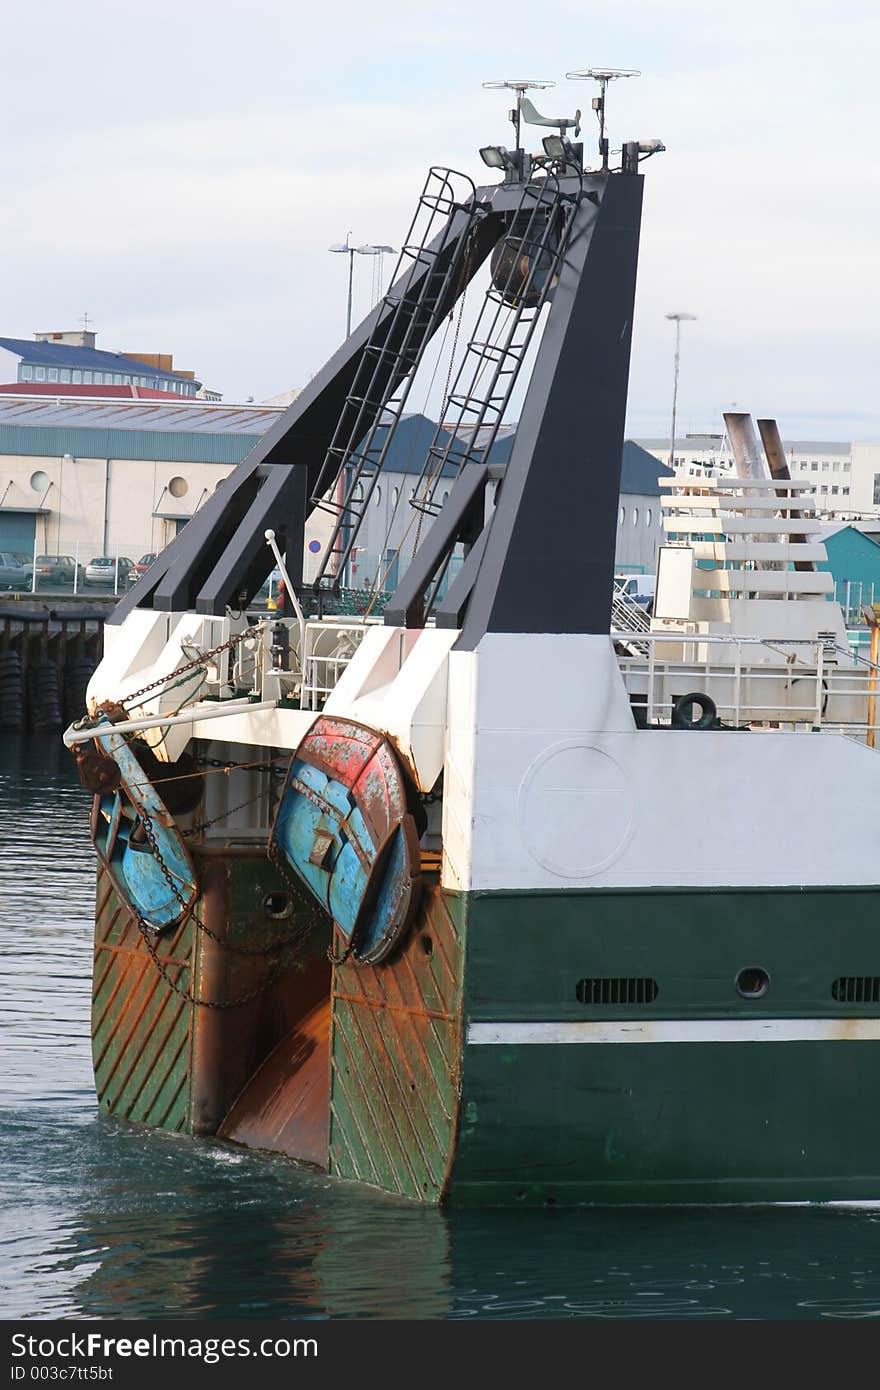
(806, 684)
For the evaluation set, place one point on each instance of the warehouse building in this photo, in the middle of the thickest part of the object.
(105, 477)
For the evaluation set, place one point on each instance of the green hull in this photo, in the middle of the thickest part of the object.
(418, 1093)
(672, 1121)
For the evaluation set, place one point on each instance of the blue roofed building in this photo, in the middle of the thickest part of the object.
(392, 528)
(71, 363)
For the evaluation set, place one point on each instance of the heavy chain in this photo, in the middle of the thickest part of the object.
(189, 912)
(187, 994)
(204, 825)
(257, 952)
(277, 862)
(197, 663)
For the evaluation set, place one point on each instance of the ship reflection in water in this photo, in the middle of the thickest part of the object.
(101, 1219)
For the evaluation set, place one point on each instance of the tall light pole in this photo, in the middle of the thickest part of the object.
(345, 473)
(351, 251)
(678, 320)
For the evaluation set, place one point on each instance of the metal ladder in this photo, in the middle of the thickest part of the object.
(537, 237)
(388, 364)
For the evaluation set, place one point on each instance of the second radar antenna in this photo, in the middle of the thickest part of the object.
(603, 76)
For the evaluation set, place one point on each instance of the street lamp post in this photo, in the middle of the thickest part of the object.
(346, 248)
(678, 320)
(344, 483)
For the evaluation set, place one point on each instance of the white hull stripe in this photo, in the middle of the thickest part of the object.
(702, 1030)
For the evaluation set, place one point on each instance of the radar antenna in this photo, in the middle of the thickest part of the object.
(603, 76)
(516, 114)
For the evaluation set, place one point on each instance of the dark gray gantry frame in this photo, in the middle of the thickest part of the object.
(545, 563)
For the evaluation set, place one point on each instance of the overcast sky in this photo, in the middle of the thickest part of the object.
(178, 170)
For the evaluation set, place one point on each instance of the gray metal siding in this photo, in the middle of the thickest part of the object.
(164, 446)
(17, 531)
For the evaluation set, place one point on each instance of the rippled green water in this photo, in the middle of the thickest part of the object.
(101, 1219)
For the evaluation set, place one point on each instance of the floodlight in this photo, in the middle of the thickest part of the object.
(555, 146)
(496, 156)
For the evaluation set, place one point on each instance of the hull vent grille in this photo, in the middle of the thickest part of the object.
(622, 989)
(856, 989)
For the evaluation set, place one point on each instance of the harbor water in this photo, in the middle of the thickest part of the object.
(100, 1219)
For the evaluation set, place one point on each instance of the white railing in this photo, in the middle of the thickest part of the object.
(853, 595)
(330, 644)
(755, 682)
(628, 617)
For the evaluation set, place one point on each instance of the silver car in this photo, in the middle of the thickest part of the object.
(13, 574)
(103, 569)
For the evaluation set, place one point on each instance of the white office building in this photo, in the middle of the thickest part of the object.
(843, 477)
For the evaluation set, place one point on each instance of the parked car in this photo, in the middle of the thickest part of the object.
(13, 575)
(103, 569)
(636, 588)
(55, 569)
(141, 566)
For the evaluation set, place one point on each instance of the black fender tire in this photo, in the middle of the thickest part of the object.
(684, 707)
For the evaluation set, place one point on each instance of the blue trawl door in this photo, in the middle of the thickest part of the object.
(17, 531)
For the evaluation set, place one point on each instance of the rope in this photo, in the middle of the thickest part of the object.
(393, 517)
(443, 405)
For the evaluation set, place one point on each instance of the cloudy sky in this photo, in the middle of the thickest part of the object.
(178, 170)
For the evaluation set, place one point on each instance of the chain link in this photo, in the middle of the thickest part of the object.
(257, 952)
(197, 663)
(294, 939)
(187, 994)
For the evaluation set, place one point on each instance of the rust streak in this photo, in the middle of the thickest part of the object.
(431, 1016)
(340, 1132)
(392, 977)
(356, 1122)
(99, 983)
(415, 1089)
(168, 1070)
(160, 1123)
(437, 938)
(99, 1022)
(110, 925)
(131, 957)
(394, 1008)
(105, 886)
(145, 966)
(128, 951)
(393, 1070)
(138, 1051)
(380, 1132)
(178, 1004)
(124, 974)
(111, 952)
